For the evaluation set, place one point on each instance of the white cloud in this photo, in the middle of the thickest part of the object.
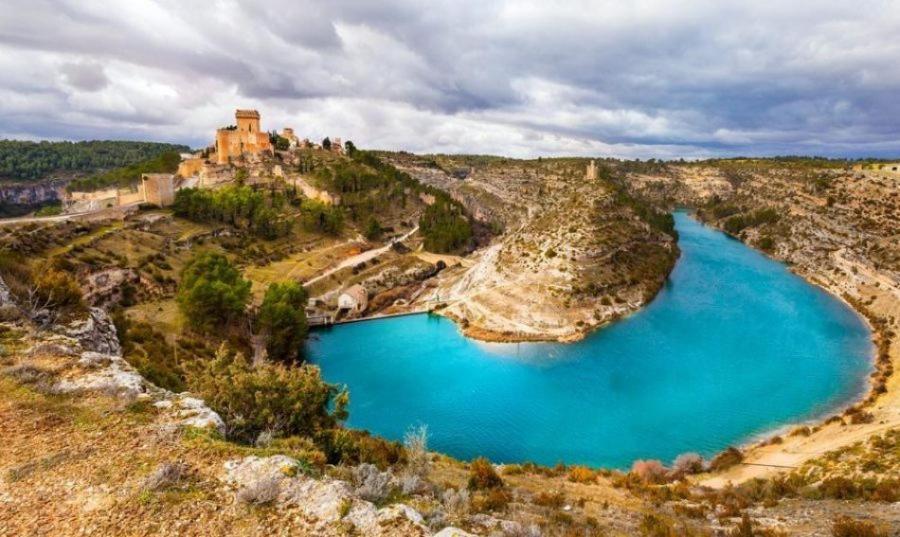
(643, 78)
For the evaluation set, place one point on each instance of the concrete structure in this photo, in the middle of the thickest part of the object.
(337, 146)
(158, 188)
(591, 173)
(245, 138)
(354, 299)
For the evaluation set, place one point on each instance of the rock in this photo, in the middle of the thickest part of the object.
(243, 472)
(95, 333)
(322, 500)
(193, 412)
(110, 374)
(450, 531)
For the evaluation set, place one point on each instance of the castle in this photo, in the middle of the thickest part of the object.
(590, 173)
(246, 137)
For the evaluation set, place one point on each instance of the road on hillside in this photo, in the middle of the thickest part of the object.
(360, 258)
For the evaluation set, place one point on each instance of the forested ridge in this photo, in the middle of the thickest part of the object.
(32, 161)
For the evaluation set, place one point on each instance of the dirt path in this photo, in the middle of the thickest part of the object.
(360, 258)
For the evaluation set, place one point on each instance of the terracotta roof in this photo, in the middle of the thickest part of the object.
(252, 114)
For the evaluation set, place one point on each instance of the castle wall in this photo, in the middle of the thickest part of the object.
(158, 188)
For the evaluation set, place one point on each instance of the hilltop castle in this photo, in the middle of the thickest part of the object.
(246, 137)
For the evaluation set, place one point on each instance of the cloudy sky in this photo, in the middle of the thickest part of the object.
(647, 78)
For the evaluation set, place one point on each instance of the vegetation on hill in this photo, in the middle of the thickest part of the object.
(243, 207)
(165, 162)
(282, 318)
(272, 398)
(445, 225)
(30, 161)
(212, 293)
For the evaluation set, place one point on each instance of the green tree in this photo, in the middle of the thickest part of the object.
(326, 143)
(320, 217)
(283, 400)
(282, 318)
(373, 229)
(211, 293)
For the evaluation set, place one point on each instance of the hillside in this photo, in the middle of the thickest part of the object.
(574, 253)
(34, 161)
(128, 410)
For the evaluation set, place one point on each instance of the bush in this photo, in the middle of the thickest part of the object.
(267, 397)
(373, 229)
(349, 446)
(726, 459)
(445, 227)
(848, 527)
(582, 474)
(319, 217)
(282, 318)
(649, 471)
(483, 476)
(211, 293)
(418, 461)
(688, 463)
(60, 291)
(495, 499)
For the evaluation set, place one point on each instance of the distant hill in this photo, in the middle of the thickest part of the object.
(33, 161)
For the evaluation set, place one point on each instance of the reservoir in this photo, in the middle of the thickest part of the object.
(732, 347)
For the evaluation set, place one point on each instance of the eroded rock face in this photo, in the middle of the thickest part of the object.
(89, 359)
(326, 500)
(95, 333)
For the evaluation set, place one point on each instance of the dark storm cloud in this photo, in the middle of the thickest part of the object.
(645, 78)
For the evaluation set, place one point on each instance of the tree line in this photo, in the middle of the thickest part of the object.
(31, 161)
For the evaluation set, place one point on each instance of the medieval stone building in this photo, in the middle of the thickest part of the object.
(245, 138)
(591, 173)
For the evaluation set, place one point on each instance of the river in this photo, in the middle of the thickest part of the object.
(733, 346)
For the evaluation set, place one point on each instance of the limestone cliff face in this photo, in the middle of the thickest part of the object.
(31, 193)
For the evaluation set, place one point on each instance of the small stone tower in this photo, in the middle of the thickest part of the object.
(591, 173)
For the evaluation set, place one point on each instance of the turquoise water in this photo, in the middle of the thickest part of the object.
(733, 346)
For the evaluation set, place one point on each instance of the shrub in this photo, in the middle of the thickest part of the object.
(688, 463)
(483, 476)
(848, 527)
(373, 229)
(652, 526)
(282, 318)
(166, 475)
(60, 291)
(649, 471)
(582, 474)
(322, 218)
(495, 499)
(415, 441)
(267, 397)
(349, 446)
(726, 459)
(212, 292)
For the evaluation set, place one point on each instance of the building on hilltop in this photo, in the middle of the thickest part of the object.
(591, 173)
(245, 138)
(288, 134)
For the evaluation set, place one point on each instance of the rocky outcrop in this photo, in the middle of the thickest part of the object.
(31, 193)
(85, 356)
(326, 500)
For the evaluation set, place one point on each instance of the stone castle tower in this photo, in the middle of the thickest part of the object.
(591, 173)
(247, 137)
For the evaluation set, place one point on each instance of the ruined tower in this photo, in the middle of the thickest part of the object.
(591, 173)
